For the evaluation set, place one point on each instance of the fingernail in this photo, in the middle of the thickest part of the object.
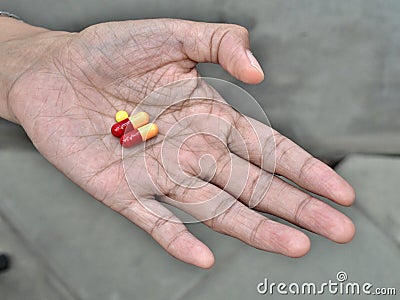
(254, 61)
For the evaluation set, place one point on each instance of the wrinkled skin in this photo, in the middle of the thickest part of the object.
(66, 102)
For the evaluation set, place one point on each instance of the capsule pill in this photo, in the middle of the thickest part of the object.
(129, 124)
(140, 135)
(121, 115)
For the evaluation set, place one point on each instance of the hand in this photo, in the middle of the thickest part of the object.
(66, 100)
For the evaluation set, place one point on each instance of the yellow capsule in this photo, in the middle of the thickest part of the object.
(121, 115)
(148, 131)
(139, 119)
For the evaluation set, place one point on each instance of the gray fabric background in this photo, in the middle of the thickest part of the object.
(333, 86)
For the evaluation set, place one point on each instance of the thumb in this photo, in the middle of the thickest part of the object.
(224, 44)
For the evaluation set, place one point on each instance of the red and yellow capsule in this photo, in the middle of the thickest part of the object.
(139, 135)
(129, 124)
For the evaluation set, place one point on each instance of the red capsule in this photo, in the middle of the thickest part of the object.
(131, 138)
(118, 129)
(128, 124)
(138, 136)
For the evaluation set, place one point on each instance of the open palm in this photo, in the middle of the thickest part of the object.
(197, 161)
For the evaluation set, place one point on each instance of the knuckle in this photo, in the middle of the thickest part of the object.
(220, 222)
(253, 239)
(171, 243)
(298, 213)
(307, 165)
(158, 224)
(283, 146)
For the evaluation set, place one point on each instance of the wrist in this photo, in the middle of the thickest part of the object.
(21, 46)
(16, 29)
